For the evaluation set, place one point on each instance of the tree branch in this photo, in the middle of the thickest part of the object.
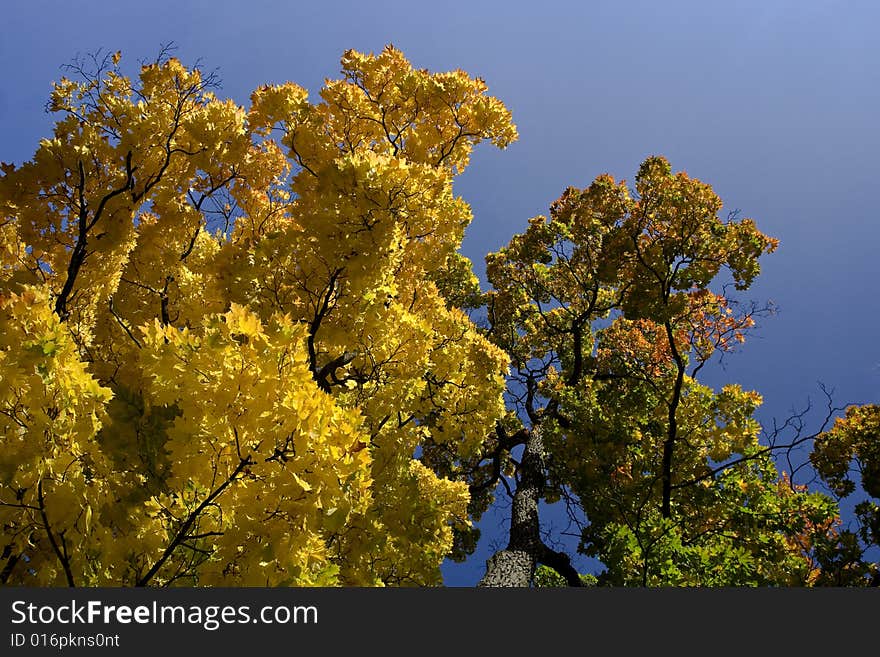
(62, 555)
(190, 520)
(561, 563)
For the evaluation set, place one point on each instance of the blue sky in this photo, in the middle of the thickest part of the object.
(773, 102)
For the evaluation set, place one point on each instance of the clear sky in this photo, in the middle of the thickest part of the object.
(773, 102)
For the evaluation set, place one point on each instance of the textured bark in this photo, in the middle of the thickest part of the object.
(515, 565)
(509, 568)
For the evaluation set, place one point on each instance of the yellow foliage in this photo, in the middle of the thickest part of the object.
(222, 342)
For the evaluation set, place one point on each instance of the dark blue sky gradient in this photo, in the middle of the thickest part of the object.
(775, 103)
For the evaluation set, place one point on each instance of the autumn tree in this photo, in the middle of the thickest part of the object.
(609, 310)
(226, 332)
(847, 457)
(236, 348)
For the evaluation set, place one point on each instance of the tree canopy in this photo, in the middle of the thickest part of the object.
(608, 311)
(241, 346)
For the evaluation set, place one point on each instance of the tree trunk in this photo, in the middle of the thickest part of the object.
(515, 565)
